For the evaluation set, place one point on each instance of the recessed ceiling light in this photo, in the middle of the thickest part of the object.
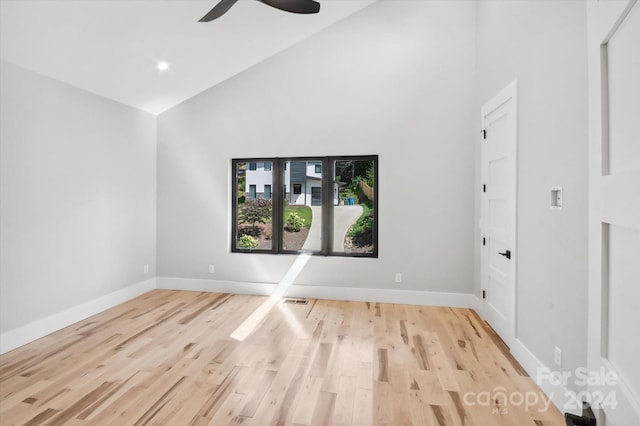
(163, 66)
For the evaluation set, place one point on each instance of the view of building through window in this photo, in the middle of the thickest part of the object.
(279, 205)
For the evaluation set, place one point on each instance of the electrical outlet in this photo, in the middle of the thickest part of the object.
(145, 269)
(398, 277)
(557, 356)
(555, 195)
(212, 269)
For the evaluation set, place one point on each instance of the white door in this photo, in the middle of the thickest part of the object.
(498, 222)
(614, 212)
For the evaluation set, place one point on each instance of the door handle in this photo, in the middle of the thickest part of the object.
(506, 254)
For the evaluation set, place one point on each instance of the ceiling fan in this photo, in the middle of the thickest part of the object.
(293, 6)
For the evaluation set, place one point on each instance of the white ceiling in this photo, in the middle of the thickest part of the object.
(111, 47)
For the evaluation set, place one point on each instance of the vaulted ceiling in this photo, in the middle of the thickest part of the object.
(112, 47)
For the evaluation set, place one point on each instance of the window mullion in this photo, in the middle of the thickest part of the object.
(277, 200)
(327, 211)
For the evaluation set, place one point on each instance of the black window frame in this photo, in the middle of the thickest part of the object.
(318, 168)
(278, 194)
(299, 186)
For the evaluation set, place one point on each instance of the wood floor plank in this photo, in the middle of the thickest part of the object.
(279, 403)
(174, 357)
(307, 400)
(323, 413)
(345, 401)
(250, 408)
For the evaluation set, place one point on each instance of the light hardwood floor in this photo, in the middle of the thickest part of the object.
(168, 358)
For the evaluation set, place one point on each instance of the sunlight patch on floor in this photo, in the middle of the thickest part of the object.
(252, 322)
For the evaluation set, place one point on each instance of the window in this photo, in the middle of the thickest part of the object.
(252, 166)
(340, 205)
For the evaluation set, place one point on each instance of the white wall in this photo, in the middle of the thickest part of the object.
(77, 217)
(543, 45)
(396, 79)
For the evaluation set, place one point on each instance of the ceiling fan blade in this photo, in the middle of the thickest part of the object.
(219, 10)
(294, 6)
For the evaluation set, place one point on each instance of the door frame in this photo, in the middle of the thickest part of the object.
(510, 92)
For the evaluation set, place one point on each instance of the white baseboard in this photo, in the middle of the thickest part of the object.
(215, 286)
(425, 298)
(557, 392)
(40, 328)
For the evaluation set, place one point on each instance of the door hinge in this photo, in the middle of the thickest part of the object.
(484, 187)
(484, 133)
(484, 294)
(484, 241)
